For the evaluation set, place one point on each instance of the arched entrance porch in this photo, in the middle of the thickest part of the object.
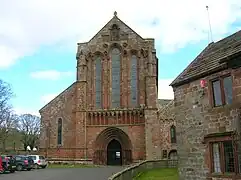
(112, 147)
(173, 155)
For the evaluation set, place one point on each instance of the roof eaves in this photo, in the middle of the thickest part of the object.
(198, 76)
(56, 97)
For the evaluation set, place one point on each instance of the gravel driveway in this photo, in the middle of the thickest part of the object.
(101, 173)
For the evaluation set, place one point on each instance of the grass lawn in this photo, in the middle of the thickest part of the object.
(71, 166)
(159, 174)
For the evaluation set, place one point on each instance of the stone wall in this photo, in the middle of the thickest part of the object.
(165, 136)
(167, 120)
(60, 107)
(83, 122)
(195, 117)
(131, 172)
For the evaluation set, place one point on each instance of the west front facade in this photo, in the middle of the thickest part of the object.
(207, 113)
(110, 114)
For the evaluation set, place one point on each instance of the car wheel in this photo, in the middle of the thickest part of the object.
(19, 167)
(29, 169)
(35, 166)
(12, 171)
(44, 167)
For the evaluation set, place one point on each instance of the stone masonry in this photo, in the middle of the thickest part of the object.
(195, 116)
(86, 129)
(167, 120)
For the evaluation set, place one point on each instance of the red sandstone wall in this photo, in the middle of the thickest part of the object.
(61, 107)
(165, 135)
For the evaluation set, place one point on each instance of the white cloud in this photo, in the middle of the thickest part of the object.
(31, 23)
(48, 97)
(164, 90)
(50, 74)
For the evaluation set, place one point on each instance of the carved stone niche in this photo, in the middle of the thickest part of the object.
(144, 53)
(105, 53)
(125, 53)
(139, 54)
(114, 33)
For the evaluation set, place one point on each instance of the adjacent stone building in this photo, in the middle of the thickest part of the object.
(207, 100)
(168, 141)
(110, 114)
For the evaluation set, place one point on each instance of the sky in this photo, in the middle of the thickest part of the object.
(38, 39)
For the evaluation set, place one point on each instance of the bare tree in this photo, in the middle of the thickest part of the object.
(5, 95)
(29, 126)
(8, 125)
(6, 118)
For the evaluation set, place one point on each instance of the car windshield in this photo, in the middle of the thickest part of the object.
(18, 158)
(33, 157)
(23, 157)
(41, 157)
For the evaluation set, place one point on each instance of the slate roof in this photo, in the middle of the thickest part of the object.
(163, 101)
(209, 60)
(165, 109)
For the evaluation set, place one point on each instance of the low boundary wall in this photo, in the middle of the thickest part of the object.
(133, 171)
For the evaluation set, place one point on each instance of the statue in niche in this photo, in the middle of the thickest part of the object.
(115, 33)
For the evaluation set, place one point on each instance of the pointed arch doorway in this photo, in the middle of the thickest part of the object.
(114, 153)
(112, 147)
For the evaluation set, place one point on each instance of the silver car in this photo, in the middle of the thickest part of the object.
(39, 161)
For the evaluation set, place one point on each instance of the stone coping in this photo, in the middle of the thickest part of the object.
(132, 171)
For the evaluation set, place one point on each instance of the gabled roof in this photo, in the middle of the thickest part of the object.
(209, 60)
(113, 19)
(59, 95)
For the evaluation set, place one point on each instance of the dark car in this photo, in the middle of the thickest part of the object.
(8, 163)
(23, 163)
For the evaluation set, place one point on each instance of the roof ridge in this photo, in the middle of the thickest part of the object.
(209, 58)
(189, 66)
(231, 35)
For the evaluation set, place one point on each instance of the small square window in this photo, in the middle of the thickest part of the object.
(164, 154)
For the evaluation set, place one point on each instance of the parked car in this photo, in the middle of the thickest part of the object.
(39, 161)
(1, 164)
(8, 164)
(23, 163)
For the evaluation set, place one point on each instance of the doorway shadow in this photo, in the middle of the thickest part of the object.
(114, 153)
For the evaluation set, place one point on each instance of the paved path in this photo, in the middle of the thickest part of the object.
(101, 173)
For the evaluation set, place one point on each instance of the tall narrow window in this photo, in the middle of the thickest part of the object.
(98, 82)
(115, 60)
(173, 134)
(222, 89)
(216, 158)
(60, 126)
(134, 81)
